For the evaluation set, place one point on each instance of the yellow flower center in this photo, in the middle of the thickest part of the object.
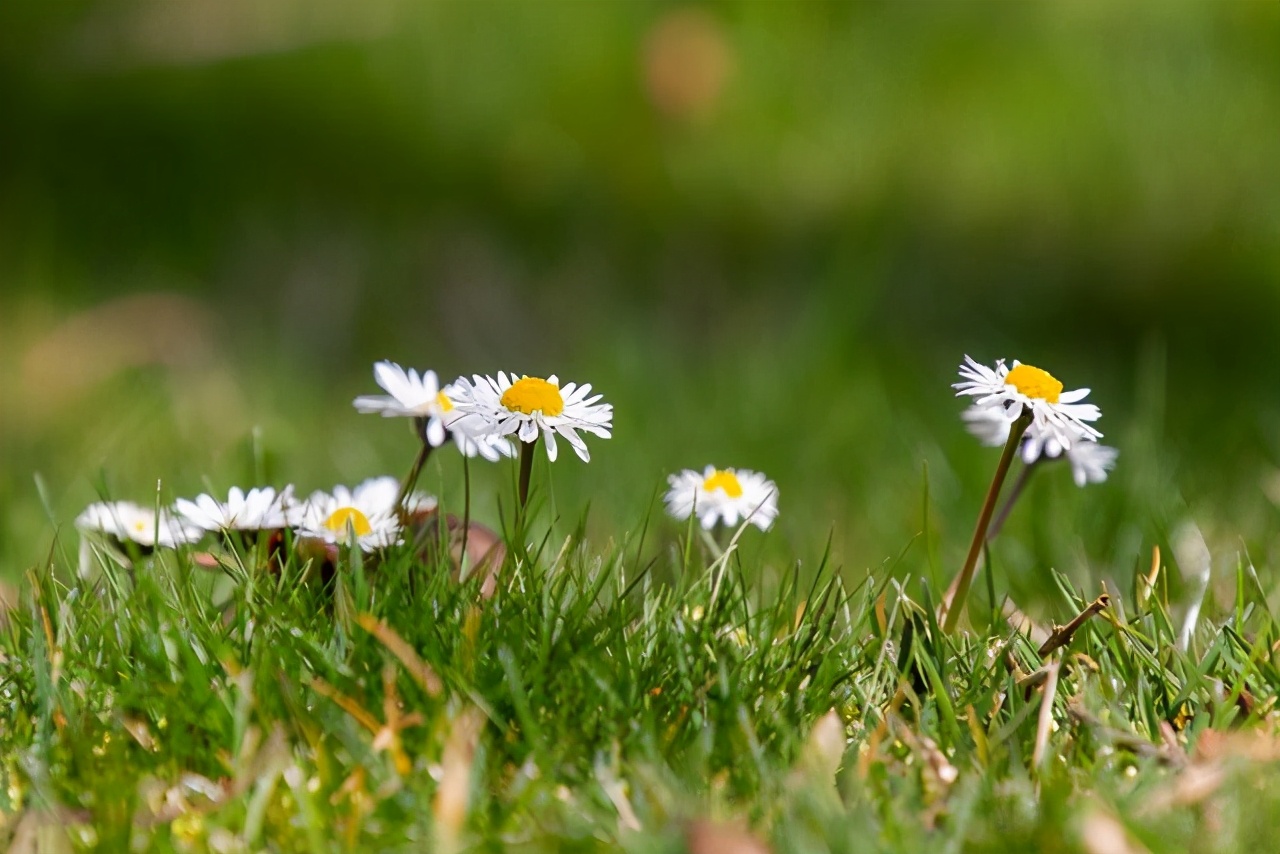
(140, 526)
(443, 401)
(1034, 382)
(725, 480)
(349, 517)
(530, 395)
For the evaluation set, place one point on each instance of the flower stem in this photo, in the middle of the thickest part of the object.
(466, 515)
(1020, 484)
(411, 480)
(954, 604)
(526, 469)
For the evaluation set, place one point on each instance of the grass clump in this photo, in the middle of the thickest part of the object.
(315, 689)
(603, 699)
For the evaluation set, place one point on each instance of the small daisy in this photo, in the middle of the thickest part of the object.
(409, 395)
(725, 495)
(1090, 461)
(1057, 416)
(261, 509)
(527, 407)
(125, 520)
(368, 512)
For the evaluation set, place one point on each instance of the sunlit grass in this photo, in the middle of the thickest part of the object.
(636, 694)
(605, 696)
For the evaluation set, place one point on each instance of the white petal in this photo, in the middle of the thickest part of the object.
(1073, 396)
(435, 433)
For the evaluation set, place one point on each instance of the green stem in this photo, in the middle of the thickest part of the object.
(1020, 484)
(412, 479)
(955, 604)
(526, 470)
(466, 514)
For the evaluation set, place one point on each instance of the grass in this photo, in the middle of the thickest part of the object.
(605, 699)
(601, 699)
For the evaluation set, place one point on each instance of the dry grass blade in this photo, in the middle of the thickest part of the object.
(824, 749)
(1045, 724)
(708, 837)
(1147, 583)
(1062, 635)
(1102, 833)
(348, 705)
(877, 736)
(454, 794)
(421, 672)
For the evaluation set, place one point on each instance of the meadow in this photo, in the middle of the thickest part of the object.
(767, 234)
(624, 685)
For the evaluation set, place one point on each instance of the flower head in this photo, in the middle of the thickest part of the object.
(409, 395)
(260, 509)
(1057, 416)
(125, 520)
(1090, 461)
(530, 406)
(723, 495)
(368, 513)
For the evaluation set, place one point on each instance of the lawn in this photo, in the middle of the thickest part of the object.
(632, 682)
(768, 234)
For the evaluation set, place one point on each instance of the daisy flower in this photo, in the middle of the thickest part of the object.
(1057, 416)
(125, 520)
(261, 509)
(409, 395)
(527, 407)
(367, 512)
(1090, 461)
(723, 495)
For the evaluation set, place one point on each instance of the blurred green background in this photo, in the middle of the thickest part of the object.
(767, 232)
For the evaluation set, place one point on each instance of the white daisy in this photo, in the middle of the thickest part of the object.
(409, 395)
(1090, 461)
(491, 446)
(125, 520)
(368, 512)
(724, 495)
(261, 509)
(528, 406)
(1057, 416)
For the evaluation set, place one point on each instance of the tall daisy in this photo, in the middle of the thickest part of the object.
(1056, 415)
(1037, 410)
(125, 521)
(530, 407)
(259, 509)
(722, 495)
